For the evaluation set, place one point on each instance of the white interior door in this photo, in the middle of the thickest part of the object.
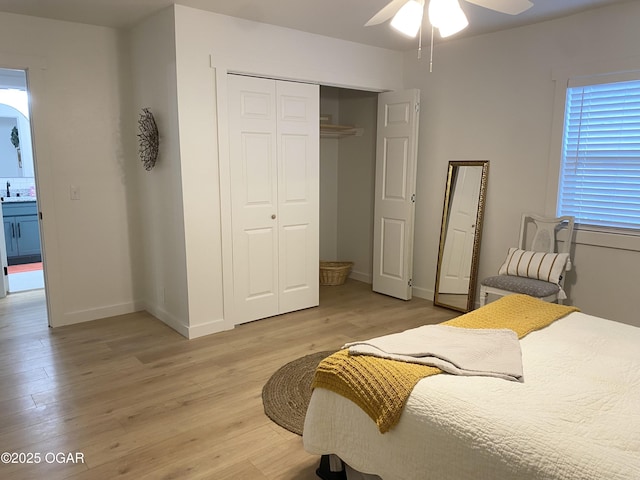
(274, 150)
(4, 285)
(461, 227)
(394, 211)
(254, 196)
(298, 146)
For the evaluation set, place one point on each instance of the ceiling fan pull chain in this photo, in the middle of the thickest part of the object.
(420, 42)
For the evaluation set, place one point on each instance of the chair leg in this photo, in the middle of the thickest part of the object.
(483, 296)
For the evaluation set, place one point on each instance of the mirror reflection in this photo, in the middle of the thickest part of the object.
(460, 235)
(16, 154)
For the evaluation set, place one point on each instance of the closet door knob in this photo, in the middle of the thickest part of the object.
(273, 217)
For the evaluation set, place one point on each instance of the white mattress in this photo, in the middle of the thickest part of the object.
(575, 417)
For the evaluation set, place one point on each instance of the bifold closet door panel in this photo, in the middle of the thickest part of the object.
(298, 149)
(274, 148)
(254, 196)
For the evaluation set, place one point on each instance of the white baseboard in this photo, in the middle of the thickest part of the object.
(168, 319)
(361, 276)
(208, 328)
(188, 331)
(423, 293)
(80, 316)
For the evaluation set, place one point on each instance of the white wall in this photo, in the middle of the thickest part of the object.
(161, 211)
(76, 76)
(491, 97)
(207, 46)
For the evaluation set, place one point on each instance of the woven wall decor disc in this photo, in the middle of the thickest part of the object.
(148, 139)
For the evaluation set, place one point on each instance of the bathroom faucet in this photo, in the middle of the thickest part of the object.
(8, 192)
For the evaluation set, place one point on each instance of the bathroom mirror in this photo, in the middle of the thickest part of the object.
(16, 153)
(460, 235)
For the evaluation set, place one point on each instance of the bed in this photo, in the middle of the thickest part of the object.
(576, 416)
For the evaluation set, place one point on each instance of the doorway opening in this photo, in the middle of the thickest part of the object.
(348, 122)
(26, 276)
(20, 238)
(372, 181)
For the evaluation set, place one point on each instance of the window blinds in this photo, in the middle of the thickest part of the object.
(600, 174)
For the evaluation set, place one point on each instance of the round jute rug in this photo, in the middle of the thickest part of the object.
(287, 393)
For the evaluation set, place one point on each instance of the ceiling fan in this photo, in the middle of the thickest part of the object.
(445, 15)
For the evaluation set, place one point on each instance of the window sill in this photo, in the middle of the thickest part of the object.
(619, 241)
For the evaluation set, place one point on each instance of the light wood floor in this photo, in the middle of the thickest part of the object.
(139, 401)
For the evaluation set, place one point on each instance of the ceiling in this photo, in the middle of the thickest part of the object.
(334, 18)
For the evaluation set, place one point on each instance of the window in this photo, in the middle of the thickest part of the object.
(600, 169)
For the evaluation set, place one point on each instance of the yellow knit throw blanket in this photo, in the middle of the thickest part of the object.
(381, 387)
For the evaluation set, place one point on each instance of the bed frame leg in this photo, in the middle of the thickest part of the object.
(324, 470)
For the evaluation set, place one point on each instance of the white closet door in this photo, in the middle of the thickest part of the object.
(274, 148)
(254, 196)
(396, 161)
(298, 130)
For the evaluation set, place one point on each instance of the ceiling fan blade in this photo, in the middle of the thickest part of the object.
(512, 7)
(386, 12)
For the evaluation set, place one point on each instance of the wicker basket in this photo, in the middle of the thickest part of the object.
(334, 273)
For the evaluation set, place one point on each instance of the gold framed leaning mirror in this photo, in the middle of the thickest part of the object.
(460, 235)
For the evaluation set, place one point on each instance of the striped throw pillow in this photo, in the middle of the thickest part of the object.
(539, 265)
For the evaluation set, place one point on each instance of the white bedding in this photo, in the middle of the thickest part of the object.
(459, 351)
(575, 417)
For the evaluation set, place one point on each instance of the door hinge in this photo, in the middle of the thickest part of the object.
(410, 282)
(6, 271)
(418, 107)
(413, 198)
(40, 215)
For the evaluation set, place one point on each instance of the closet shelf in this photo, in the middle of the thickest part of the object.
(328, 130)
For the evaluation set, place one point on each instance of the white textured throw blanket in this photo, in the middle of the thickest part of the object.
(459, 351)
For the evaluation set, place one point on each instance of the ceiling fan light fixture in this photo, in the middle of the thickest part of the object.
(437, 12)
(447, 17)
(457, 22)
(409, 18)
